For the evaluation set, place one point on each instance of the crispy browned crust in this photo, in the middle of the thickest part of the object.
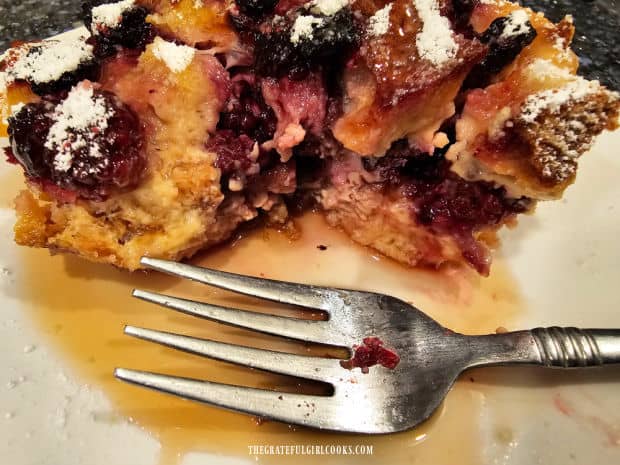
(556, 139)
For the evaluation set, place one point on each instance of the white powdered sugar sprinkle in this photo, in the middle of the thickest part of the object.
(16, 108)
(109, 15)
(303, 28)
(562, 46)
(198, 4)
(517, 24)
(435, 42)
(379, 23)
(552, 100)
(4, 113)
(48, 60)
(541, 69)
(176, 57)
(79, 119)
(559, 43)
(327, 7)
(3, 79)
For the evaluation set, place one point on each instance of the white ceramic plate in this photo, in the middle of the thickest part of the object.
(559, 267)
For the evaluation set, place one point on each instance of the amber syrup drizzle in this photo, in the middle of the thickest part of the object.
(83, 308)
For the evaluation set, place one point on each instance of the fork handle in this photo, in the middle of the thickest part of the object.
(549, 347)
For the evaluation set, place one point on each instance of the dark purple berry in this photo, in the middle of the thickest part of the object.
(247, 113)
(256, 8)
(331, 44)
(244, 25)
(443, 200)
(461, 12)
(503, 49)
(336, 37)
(88, 69)
(276, 56)
(233, 151)
(28, 130)
(118, 163)
(132, 32)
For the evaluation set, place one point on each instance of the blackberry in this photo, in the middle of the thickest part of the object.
(118, 162)
(247, 113)
(336, 37)
(256, 8)
(233, 153)
(132, 32)
(461, 12)
(443, 200)
(448, 203)
(28, 130)
(331, 43)
(503, 49)
(276, 56)
(245, 25)
(37, 55)
(86, 70)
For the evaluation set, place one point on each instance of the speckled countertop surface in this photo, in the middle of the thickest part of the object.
(597, 40)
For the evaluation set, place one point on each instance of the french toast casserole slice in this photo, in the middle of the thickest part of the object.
(419, 127)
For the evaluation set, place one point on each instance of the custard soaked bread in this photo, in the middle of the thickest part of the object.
(419, 127)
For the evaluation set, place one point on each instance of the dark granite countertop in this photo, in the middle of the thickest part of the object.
(597, 41)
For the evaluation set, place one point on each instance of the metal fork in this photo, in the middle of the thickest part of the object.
(383, 400)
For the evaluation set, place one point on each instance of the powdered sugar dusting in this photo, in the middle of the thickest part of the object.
(3, 82)
(78, 120)
(109, 15)
(561, 45)
(48, 60)
(379, 23)
(4, 112)
(303, 28)
(16, 108)
(328, 7)
(517, 24)
(435, 42)
(541, 69)
(552, 100)
(176, 57)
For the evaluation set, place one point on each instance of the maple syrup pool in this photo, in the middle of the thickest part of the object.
(83, 310)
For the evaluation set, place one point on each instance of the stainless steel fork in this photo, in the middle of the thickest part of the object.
(383, 400)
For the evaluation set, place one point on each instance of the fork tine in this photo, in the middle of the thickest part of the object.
(321, 332)
(314, 411)
(302, 295)
(317, 368)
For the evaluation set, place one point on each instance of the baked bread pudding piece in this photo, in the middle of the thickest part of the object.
(419, 127)
(527, 127)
